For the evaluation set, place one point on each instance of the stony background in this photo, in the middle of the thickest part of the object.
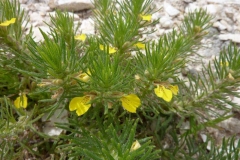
(226, 28)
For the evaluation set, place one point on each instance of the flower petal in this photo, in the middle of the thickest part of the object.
(84, 77)
(135, 146)
(111, 49)
(101, 47)
(7, 23)
(146, 17)
(163, 93)
(130, 102)
(21, 101)
(140, 45)
(80, 104)
(174, 89)
(81, 37)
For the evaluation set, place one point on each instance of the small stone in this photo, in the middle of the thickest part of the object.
(171, 11)
(37, 34)
(219, 25)
(166, 22)
(36, 17)
(189, 1)
(49, 127)
(231, 125)
(43, 8)
(230, 12)
(229, 36)
(87, 26)
(71, 5)
(156, 16)
(229, 27)
(211, 9)
(23, 1)
(191, 8)
(224, 1)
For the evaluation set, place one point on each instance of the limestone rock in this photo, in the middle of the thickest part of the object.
(49, 125)
(87, 26)
(71, 5)
(229, 36)
(191, 7)
(166, 21)
(224, 1)
(37, 34)
(171, 11)
(219, 25)
(211, 9)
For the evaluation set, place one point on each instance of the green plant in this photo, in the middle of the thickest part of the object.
(125, 91)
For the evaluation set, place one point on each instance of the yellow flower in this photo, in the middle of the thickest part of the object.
(146, 17)
(7, 23)
(224, 64)
(135, 146)
(130, 102)
(163, 93)
(80, 104)
(81, 37)
(166, 93)
(230, 77)
(174, 89)
(21, 101)
(140, 45)
(111, 49)
(84, 76)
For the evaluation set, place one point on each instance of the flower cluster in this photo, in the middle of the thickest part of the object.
(166, 92)
(81, 104)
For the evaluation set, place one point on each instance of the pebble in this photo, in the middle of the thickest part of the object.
(71, 5)
(170, 10)
(229, 36)
(166, 22)
(211, 9)
(191, 7)
(219, 25)
(87, 26)
(224, 1)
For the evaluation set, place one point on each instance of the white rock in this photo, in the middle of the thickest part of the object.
(229, 36)
(224, 1)
(188, 1)
(204, 139)
(219, 25)
(37, 36)
(156, 16)
(36, 17)
(226, 24)
(49, 126)
(236, 18)
(166, 21)
(71, 5)
(191, 7)
(211, 9)
(171, 11)
(230, 12)
(231, 125)
(43, 8)
(87, 26)
(23, 1)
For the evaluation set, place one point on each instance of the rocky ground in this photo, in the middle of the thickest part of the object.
(226, 28)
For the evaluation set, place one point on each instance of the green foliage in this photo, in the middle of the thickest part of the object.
(107, 67)
(110, 141)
